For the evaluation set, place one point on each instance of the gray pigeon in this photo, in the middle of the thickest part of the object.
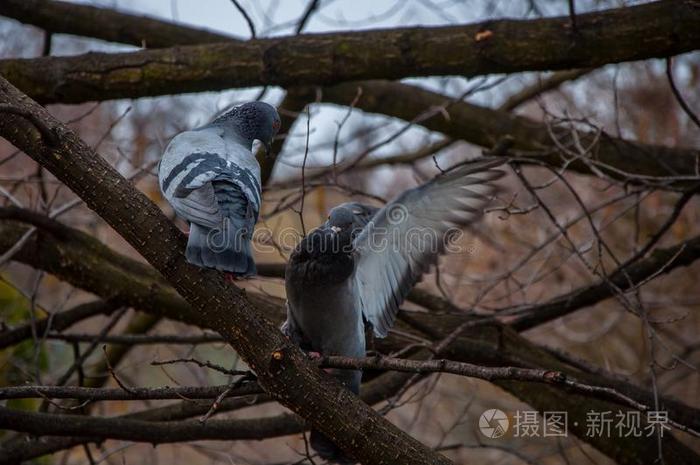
(358, 266)
(212, 179)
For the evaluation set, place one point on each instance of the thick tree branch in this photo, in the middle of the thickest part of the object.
(629, 161)
(375, 391)
(666, 28)
(105, 24)
(290, 379)
(489, 346)
(155, 432)
(471, 123)
(545, 398)
(139, 339)
(66, 258)
(493, 346)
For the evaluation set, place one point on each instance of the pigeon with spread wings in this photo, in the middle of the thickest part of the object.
(358, 266)
(211, 178)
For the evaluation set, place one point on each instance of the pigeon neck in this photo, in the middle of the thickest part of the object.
(235, 132)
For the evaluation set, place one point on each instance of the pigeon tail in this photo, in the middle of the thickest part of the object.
(326, 448)
(224, 249)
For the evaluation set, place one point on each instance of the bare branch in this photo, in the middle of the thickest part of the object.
(245, 15)
(541, 87)
(308, 12)
(105, 24)
(137, 339)
(626, 278)
(666, 28)
(57, 322)
(676, 93)
(135, 217)
(119, 394)
(628, 161)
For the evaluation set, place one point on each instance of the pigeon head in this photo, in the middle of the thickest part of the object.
(335, 237)
(350, 217)
(251, 121)
(344, 225)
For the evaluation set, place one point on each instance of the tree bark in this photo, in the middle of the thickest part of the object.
(665, 28)
(282, 369)
(106, 24)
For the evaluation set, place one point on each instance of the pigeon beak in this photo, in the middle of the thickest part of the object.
(335, 229)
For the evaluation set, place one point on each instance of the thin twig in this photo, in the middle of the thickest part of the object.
(114, 375)
(251, 25)
(203, 364)
(312, 6)
(676, 93)
(303, 170)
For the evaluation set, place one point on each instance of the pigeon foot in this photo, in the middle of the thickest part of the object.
(313, 355)
(233, 277)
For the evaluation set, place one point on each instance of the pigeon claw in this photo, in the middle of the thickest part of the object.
(233, 277)
(315, 356)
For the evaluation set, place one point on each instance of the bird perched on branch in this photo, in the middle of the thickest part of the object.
(358, 267)
(212, 179)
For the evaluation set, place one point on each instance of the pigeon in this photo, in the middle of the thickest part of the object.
(357, 268)
(212, 179)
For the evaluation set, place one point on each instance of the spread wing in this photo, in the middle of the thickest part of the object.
(200, 178)
(406, 236)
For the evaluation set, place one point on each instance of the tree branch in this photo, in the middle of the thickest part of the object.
(661, 261)
(291, 379)
(134, 393)
(146, 292)
(629, 161)
(666, 28)
(105, 24)
(542, 86)
(339, 362)
(375, 391)
(139, 339)
(155, 432)
(477, 125)
(488, 345)
(57, 322)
